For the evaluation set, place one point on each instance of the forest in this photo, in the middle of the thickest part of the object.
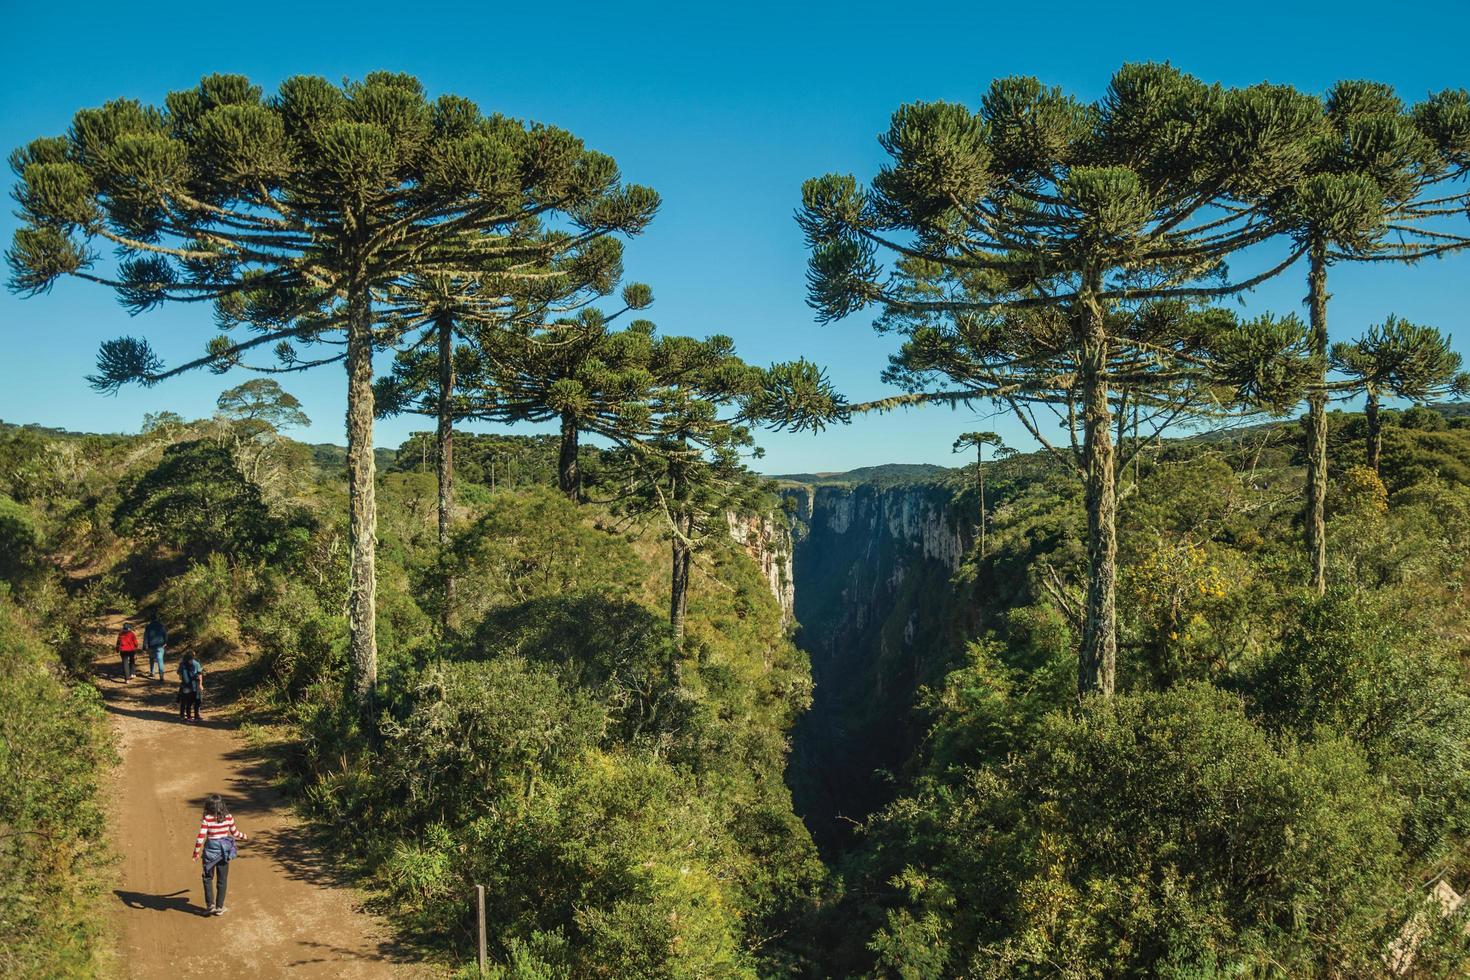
(1178, 688)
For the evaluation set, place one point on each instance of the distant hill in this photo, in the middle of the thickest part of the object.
(330, 455)
(49, 431)
(884, 473)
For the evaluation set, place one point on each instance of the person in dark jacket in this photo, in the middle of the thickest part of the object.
(155, 638)
(127, 649)
(191, 687)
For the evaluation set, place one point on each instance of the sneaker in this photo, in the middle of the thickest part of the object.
(217, 910)
(209, 911)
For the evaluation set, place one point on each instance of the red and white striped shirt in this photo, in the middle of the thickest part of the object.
(212, 829)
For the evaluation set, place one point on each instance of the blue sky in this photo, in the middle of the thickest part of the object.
(724, 109)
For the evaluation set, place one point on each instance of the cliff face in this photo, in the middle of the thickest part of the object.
(767, 540)
(878, 614)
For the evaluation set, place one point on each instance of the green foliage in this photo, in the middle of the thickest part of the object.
(1270, 794)
(1154, 833)
(262, 401)
(533, 545)
(52, 756)
(558, 727)
(33, 467)
(617, 650)
(202, 602)
(470, 739)
(1402, 360)
(502, 462)
(20, 543)
(1349, 664)
(127, 173)
(196, 501)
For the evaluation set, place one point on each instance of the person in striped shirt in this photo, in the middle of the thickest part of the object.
(216, 842)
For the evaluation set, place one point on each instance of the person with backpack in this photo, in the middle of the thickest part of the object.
(215, 842)
(191, 687)
(155, 638)
(127, 648)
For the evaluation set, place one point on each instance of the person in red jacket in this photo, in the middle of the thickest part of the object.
(127, 648)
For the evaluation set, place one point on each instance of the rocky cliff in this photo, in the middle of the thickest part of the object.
(874, 568)
(767, 540)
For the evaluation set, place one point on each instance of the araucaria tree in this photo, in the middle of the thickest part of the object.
(454, 314)
(460, 316)
(978, 441)
(296, 216)
(1398, 360)
(577, 371)
(1377, 189)
(681, 410)
(1045, 251)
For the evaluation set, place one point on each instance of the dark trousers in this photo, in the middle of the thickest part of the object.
(129, 663)
(189, 704)
(220, 873)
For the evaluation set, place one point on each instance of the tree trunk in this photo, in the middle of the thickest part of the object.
(446, 458)
(1097, 663)
(361, 497)
(568, 474)
(682, 556)
(1375, 431)
(980, 483)
(679, 582)
(1316, 505)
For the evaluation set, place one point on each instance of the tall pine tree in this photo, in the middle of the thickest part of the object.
(1377, 189)
(1398, 359)
(296, 215)
(1026, 244)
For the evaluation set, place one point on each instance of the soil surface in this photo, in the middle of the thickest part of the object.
(288, 913)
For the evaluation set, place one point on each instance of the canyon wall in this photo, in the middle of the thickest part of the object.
(880, 613)
(768, 542)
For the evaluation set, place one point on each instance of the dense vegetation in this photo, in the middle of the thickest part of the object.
(1273, 786)
(1276, 780)
(53, 750)
(620, 794)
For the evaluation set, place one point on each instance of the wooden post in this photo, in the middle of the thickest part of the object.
(480, 903)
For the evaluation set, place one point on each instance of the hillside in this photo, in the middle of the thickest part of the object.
(884, 473)
(621, 792)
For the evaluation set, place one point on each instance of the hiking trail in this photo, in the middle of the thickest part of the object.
(290, 914)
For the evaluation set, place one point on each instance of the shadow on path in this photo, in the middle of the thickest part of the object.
(172, 902)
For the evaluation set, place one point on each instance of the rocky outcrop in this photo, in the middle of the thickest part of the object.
(767, 540)
(919, 516)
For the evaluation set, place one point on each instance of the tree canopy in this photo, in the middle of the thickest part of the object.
(1046, 250)
(295, 215)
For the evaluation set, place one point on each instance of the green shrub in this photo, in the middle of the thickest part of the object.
(1149, 834)
(196, 501)
(203, 602)
(52, 752)
(21, 555)
(1349, 665)
(302, 644)
(468, 737)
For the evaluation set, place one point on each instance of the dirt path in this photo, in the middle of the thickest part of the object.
(287, 915)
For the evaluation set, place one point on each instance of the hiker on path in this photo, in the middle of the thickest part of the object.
(155, 638)
(127, 648)
(216, 842)
(191, 687)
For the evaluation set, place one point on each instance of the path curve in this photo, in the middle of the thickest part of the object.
(288, 915)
